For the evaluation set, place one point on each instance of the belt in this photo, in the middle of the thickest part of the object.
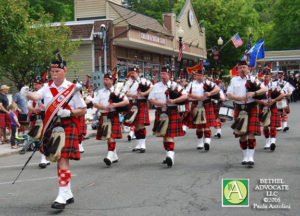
(109, 113)
(247, 106)
(168, 108)
(138, 100)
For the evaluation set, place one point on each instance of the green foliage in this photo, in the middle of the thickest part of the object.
(59, 9)
(28, 44)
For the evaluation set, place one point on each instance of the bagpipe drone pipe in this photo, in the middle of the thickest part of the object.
(117, 98)
(175, 91)
(208, 87)
(252, 86)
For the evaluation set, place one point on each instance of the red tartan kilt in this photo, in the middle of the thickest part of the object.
(209, 114)
(275, 116)
(175, 124)
(142, 116)
(116, 129)
(71, 148)
(216, 109)
(287, 110)
(82, 127)
(253, 121)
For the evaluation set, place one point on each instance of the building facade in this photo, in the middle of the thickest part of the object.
(132, 38)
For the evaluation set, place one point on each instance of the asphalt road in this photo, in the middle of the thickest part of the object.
(140, 185)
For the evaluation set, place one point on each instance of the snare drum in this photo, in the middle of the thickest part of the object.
(226, 112)
(282, 104)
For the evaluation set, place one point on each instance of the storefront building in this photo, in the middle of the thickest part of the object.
(133, 38)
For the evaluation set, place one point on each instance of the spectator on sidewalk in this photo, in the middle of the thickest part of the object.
(22, 108)
(4, 118)
(14, 124)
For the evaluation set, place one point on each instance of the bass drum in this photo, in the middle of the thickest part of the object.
(226, 112)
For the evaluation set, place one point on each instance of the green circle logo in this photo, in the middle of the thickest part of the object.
(235, 192)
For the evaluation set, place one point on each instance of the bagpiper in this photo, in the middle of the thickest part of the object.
(242, 90)
(202, 115)
(37, 113)
(65, 133)
(108, 101)
(283, 105)
(164, 96)
(268, 112)
(137, 90)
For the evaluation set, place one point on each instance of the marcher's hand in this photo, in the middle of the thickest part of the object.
(135, 96)
(64, 113)
(24, 91)
(164, 105)
(207, 94)
(111, 106)
(170, 101)
(250, 94)
(243, 99)
(271, 102)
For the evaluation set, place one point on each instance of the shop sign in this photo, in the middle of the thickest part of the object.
(152, 38)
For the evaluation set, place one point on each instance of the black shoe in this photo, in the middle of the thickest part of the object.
(136, 149)
(218, 135)
(43, 165)
(142, 150)
(244, 162)
(57, 205)
(286, 129)
(129, 138)
(199, 148)
(250, 163)
(107, 161)
(206, 146)
(164, 161)
(272, 147)
(169, 161)
(70, 201)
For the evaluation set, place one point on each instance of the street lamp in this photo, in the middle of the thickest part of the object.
(220, 43)
(180, 34)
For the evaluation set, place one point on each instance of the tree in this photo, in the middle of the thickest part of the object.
(224, 18)
(26, 44)
(59, 9)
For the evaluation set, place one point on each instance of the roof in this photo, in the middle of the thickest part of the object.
(139, 20)
(182, 10)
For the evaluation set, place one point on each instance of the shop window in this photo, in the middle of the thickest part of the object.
(156, 59)
(122, 70)
(132, 53)
(122, 52)
(147, 56)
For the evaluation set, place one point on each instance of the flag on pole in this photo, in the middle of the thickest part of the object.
(237, 40)
(180, 52)
(246, 56)
(257, 52)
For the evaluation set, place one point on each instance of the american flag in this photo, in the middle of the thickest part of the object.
(237, 40)
(180, 52)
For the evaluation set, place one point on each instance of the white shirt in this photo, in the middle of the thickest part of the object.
(132, 85)
(198, 88)
(102, 98)
(158, 92)
(76, 101)
(237, 87)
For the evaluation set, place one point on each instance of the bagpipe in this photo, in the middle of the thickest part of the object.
(208, 87)
(117, 97)
(144, 85)
(175, 91)
(252, 85)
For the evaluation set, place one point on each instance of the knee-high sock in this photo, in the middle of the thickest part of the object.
(140, 134)
(266, 132)
(251, 143)
(273, 132)
(244, 144)
(64, 176)
(111, 146)
(284, 117)
(199, 134)
(219, 125)
(207, 133)
(169, 146)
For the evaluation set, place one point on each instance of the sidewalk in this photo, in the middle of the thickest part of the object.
(5, 149)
